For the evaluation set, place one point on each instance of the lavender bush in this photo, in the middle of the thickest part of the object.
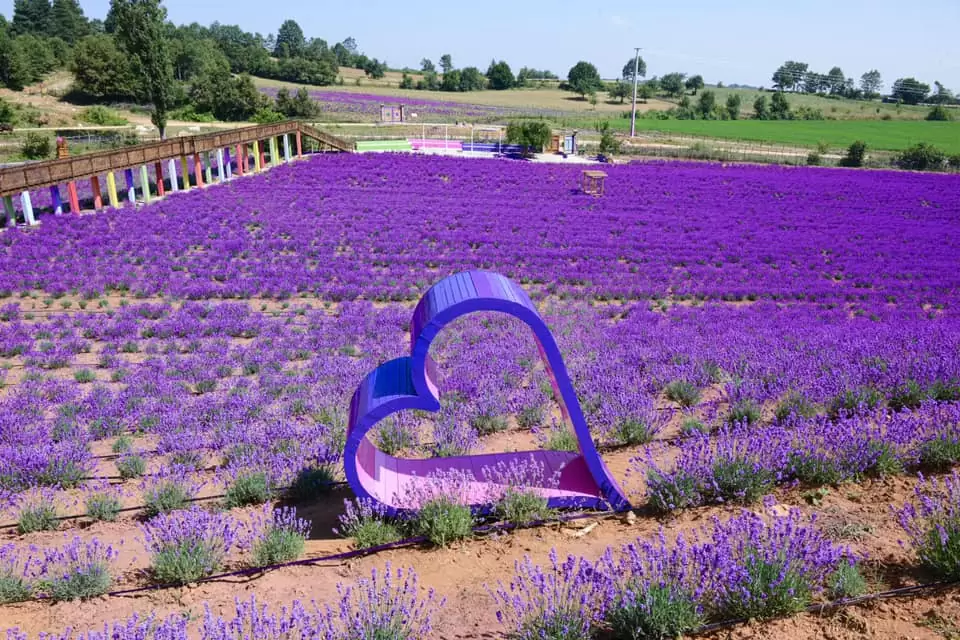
(275, 536)
(187, 545)
(18, 573)
(932, 525)
(367, 523)
(77, 571)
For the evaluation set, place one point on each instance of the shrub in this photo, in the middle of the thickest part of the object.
(814, 159)
(395, 434)
(443, 520)
(692, 426)
(78, 571)
(522, 507)
(37, 513)
(122, 444)
(103, 505)
(794, 404)
(559, 603)
(762, 570)
(36, 146)
(922, 156)
(743, 411)
(909, 395)
(276, 535)
(248, 488)
(939, 114)
(188, 545)
(932, 524)
(366, 522)
(628, 431)
(311, 482)
(530, 416)
(684, 393)
(846, 582)
(953, 161)
(740, 480)
(854, 401)
(940, 454)
(856, 155)
(668, 492)
(101, 115)
(166, 492)
(388, 606)
(532, 135)
(488, 423)
(84, 376)
(17, 571)
(131, 466)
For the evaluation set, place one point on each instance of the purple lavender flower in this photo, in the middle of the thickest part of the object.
(188, 545)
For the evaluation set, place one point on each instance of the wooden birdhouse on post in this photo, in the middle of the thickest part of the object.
(593, 183)
(62, 150)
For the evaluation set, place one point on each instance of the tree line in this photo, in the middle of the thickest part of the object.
(798, 77)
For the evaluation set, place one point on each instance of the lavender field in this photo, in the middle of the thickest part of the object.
(738, 336)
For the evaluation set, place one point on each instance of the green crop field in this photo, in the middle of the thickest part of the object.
(878, 134)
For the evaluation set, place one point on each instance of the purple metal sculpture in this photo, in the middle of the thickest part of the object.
(410, 383)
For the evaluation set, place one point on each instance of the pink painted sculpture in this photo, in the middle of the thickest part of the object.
(409, 383)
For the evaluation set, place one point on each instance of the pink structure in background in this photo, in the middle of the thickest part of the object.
(409, 383)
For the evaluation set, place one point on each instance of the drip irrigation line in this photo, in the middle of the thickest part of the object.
(823, 607)
(356, 553)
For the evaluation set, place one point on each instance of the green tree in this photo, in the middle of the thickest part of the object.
(532, 135)
(40, 56)
(500, 76)
(761, 110)
(646, 91)
(140, 31)
(429, 82)
(67, 21)
(451, 81)
(101, 70)
(910, 91)
(694, 83)
(227, 97)
(290, 40)
(300, 105)
(406, 82)
(471, 79)
(426, 65)
(779, 106)
(836, 81)
(856, 155)
(446, 63)
(374, 68)
(943, 95)
(672, 83)
(706, 105)
(192, 58)
(627, 73)
(620, 90)
(733, 106)
(30, 17)
(870, 83)
(583, 78)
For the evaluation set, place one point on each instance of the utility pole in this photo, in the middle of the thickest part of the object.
(636, 78)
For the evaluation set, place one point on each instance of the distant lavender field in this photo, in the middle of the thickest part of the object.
(366, 106)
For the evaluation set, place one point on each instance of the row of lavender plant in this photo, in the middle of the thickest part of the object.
(385, 227)
(184, 546)
(750, 566)
(743, 464)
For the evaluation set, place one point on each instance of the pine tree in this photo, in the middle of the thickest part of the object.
(67, 21)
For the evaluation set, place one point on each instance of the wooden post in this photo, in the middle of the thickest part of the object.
(241, 159)
(73, 198)
(198, 169)
(112, 190)
(97, 197)
(299, 145)
(209, 171)
(55, 199)
(185, 168)
(274, 155)
(27, 208)
(226, 154)
(131, 187)
(220, 173)
(145, 183)
(11, 212)
(172, 170)
(286, 147)
(257, 157)
(161, 188)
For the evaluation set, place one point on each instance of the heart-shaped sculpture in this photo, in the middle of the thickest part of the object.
(410, 383)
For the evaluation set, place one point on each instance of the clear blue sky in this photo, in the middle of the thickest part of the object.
(741, 41)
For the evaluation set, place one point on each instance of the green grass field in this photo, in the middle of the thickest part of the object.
(891, 135)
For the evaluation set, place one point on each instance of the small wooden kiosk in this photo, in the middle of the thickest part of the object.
(593, 182)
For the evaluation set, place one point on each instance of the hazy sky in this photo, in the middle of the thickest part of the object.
(741, 41)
